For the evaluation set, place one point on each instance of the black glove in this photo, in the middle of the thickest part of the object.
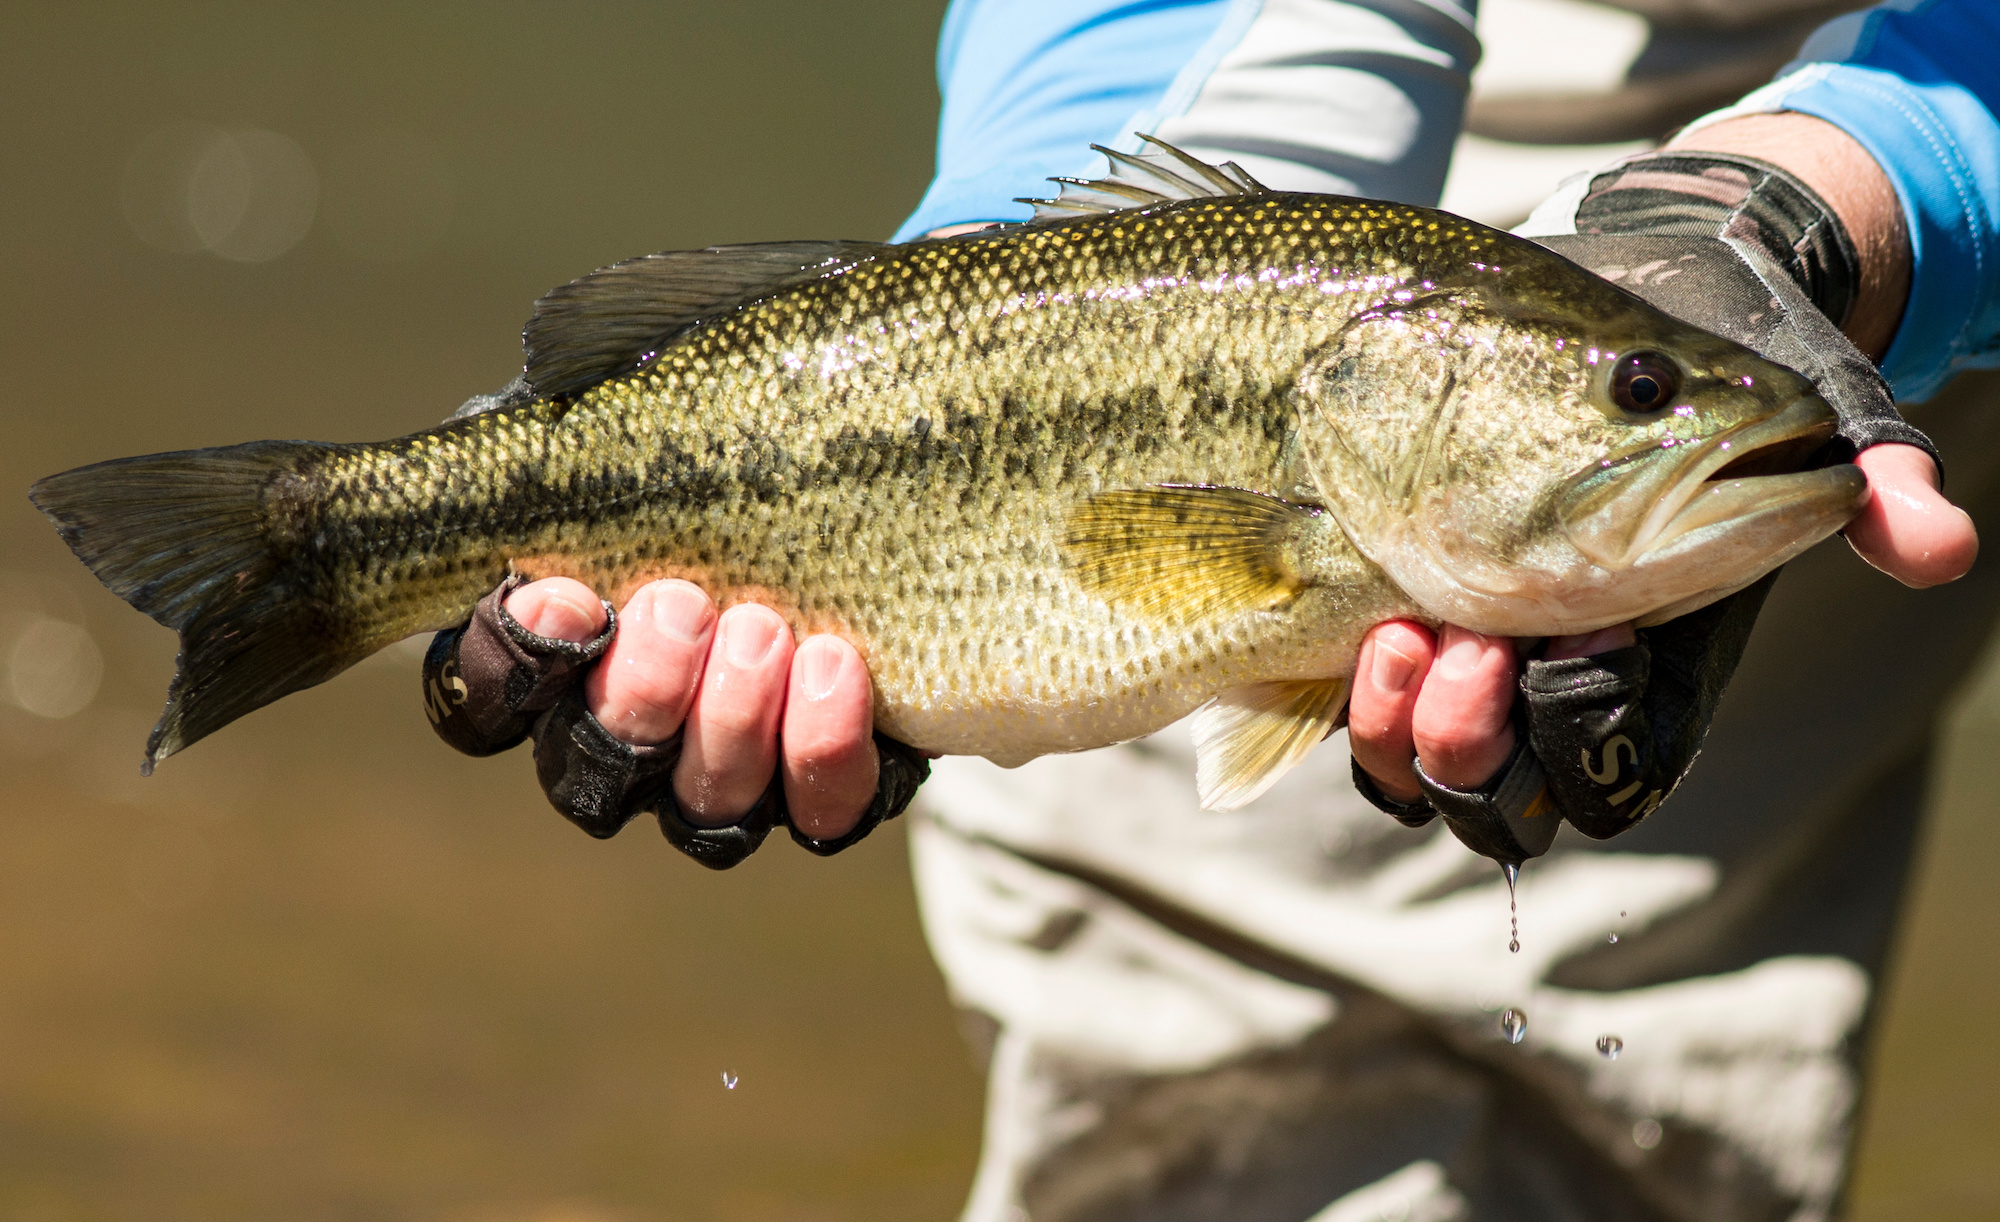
(491, 683)
(1740, 248)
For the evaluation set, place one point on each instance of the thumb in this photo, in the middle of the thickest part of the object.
(558, 607)
(1907, 529)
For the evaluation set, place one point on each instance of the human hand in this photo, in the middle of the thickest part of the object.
(718, 722)
(1444, 707)
(744, 699)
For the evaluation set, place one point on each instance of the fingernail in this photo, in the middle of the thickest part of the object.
(1461, 655)
(820, 668)
(559, 619)
(682, 612)
(747, 638)
(1392, 669)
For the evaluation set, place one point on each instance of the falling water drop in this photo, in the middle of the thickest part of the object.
(1514, 1025)
(1512, 869)
(729, 1080)
(1612, 938)
(1609, 1046)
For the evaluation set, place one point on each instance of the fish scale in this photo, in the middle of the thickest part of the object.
(1059, 484)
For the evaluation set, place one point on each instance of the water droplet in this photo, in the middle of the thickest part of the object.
(1647, 1133)
(1621, 912)
(1514, 1025)
(1609, 1046)
(1612, 938)
(1512, 871)
(729, 1080)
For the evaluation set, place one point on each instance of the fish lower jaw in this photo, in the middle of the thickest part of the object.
(1723, 549)
(1719, 540)
(1774, 448)
(1764, 506)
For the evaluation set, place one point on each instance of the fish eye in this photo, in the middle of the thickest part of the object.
(1644, 382)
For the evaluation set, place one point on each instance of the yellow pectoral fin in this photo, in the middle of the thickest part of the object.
(1248, 737)
(1185, 553)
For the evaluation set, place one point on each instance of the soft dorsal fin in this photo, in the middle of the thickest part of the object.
(1185, 553)
(1141, 180)
(1248, 737)
(609, 322)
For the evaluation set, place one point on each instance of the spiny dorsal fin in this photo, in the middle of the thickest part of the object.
(608, 322)
(1141, 180)
(1184, 553)
(1248, 737)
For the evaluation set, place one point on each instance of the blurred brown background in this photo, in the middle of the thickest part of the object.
(321, 967)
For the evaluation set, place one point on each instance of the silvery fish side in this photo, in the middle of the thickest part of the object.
(1060, 483)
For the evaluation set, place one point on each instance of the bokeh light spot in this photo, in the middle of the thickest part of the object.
(54, 668)
(245, 195)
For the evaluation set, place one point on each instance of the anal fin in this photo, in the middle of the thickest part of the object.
(1248, 737)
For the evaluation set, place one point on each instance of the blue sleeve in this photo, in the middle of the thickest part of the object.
(1030, 85)
(1354, 96)
(1917, 82)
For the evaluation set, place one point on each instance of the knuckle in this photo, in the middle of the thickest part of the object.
(829, 752)
(736, 721)
(1370, 730)
(662, 687)
(1450, 742)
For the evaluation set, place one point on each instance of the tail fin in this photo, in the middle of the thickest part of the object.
(200, 541)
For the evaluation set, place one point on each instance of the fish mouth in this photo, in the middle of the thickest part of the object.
(1780, 464)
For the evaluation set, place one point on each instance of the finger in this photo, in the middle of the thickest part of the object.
(559, 608)
(1907, 529)
(731, 747)
(828, 741)
(1460, 723)
(1590, 644)
(1387, 678)
(642, 688)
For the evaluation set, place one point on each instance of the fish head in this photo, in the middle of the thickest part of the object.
(1536, 451)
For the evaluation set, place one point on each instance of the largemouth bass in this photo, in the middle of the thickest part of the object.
(1175, 444)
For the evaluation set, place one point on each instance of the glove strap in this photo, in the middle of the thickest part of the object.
(487, 681)
(1510, 818)
(1415, 813)
(600, 783)
(720, 848)
(594, 780)
(1723, 195)
(903, 769)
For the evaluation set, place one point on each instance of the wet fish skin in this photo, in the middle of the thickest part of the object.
(901, 452)
(979, 387)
